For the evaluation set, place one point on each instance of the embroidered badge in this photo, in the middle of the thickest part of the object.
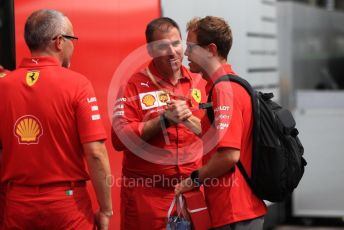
(153, 99)
(196, 95)
(32, 77)
(148, 100)
(69, 192)
(163, 96)
(28, 130)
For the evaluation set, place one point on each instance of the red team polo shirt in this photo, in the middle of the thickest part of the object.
(229, 197)
(180, 152)
(46, 113)
(3, 73)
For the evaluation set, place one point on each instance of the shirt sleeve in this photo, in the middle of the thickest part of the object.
(89, 122)
(127, 124)
(227, 115)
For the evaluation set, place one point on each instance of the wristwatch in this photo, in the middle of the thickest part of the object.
(195, 178)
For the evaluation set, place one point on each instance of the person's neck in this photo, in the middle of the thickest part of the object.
(212, 66)
(175, 77)
(172, 77)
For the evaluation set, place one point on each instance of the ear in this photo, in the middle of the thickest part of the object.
(150, 50)
(58, 43)
(213, 49)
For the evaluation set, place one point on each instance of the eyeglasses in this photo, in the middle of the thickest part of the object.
(69, 37)
(190, 46)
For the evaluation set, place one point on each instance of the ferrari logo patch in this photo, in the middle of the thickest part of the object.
(2, 75)
(196, 95)
(32, 77)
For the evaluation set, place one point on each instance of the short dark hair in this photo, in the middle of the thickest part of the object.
(163, 24)
(211, 29)
(42, 26)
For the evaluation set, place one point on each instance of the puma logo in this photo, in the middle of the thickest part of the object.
(145, 84)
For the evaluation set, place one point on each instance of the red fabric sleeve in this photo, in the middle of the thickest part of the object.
(228, 115)
(90, 125)
(127, 122)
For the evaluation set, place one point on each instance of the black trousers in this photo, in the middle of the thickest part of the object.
(251, 224)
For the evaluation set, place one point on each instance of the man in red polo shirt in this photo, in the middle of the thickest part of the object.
(50, 128)
(231, 202)
(3, 73)
(156, 123)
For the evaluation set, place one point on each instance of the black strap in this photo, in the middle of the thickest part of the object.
(232, 78)
(252, 93)
(244, 173)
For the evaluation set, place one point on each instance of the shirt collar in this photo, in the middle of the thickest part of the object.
(33, 62)
(186, 75)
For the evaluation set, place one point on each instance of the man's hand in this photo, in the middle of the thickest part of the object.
(102, 221)
(99, 170)
(184, 186)
(177, 111)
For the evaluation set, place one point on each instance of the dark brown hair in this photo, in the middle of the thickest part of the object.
(211, 29)
(163, 24)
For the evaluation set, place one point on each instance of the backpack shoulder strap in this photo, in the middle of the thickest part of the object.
(232, 78)
(251, 92)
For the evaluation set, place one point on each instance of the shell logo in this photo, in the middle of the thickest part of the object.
(163, 97)
(28, 130)
(148, 100)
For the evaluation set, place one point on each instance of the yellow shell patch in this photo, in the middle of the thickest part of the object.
(28, 129)
(196, 95)
(32, 77)
(148, 100)
(2, 75)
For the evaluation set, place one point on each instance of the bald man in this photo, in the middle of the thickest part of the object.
(50, 131)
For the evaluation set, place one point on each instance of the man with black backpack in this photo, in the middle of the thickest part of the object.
(231, 202)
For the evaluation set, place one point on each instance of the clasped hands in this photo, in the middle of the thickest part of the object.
(177, 111)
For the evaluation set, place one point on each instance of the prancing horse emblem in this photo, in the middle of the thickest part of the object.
(32, 77)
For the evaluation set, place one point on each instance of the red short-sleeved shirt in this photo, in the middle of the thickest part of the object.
(177, 154)
(46, 113)
(229, 198)
(3, 72)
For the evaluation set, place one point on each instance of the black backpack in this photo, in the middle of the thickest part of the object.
(277, 161)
